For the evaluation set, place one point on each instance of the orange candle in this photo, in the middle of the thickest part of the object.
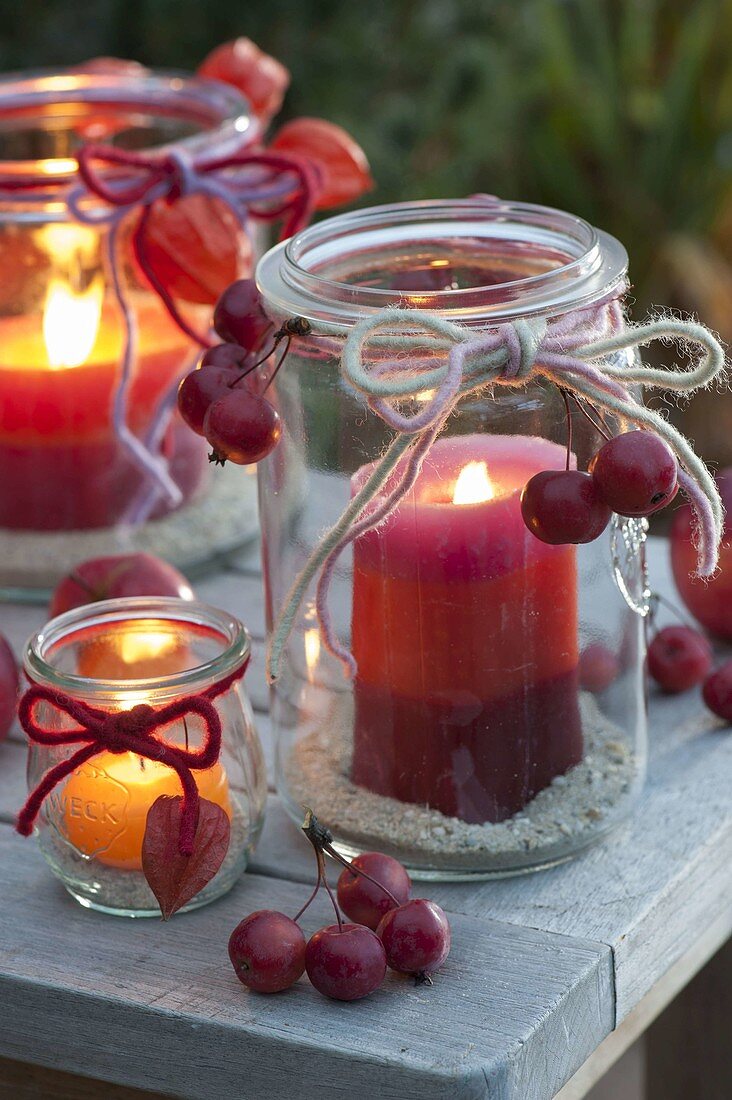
(103, 808)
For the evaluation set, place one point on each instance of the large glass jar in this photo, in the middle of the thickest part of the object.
(113, 656)
(78, 439)
(495, 721)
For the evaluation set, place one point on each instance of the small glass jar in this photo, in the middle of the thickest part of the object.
(496, 721)
(115, 655)
(73, 483)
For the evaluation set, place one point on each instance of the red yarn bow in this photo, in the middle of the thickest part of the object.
(253, 182)
(125, 731)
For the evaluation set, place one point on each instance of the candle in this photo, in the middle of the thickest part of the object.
(103, 808)
(62, 464)
(465, 635)
(143, 650)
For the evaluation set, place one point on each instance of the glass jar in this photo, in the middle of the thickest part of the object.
(115, 655)
(76, 481)
(495, 721)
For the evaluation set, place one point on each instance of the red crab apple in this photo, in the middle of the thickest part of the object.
(709, 601)
(9, 684)
(118, 575)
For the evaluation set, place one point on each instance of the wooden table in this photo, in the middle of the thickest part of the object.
(551, 975)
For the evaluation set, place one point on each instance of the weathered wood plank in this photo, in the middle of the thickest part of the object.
(511, 1016)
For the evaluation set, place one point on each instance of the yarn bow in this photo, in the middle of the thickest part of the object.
(249, 182)
(124, 731)
(441, 363)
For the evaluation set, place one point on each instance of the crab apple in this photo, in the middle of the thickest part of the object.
(198, 391)
(118, 575)
(242, 427)
(563, 506)
(232, 356)
(709, 601)
(345, 963)
(678, 658)
(636, 473)
(267, 951)
(261, 78)
(416, 937)
(239, 317)
(341, 161)
(365, 901)
(9, 687)
(599, 667)
(717, 691)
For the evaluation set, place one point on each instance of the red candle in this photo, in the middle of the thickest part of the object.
(465, 635)
(62, 466)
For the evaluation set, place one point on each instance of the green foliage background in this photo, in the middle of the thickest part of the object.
(620, 110)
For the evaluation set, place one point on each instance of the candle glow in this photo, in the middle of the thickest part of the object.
(473, 485)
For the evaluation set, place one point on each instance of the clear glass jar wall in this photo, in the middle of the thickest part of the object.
(115, 655)
(72, 486)
(496, 720)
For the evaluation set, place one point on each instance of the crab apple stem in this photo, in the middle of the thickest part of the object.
(83, 584)
(318, 836)
(656, 599)
(322, 840)
(255, 366)
(321, 866)
(279, 363)
(357, 871)
(599, 425)
(310, 900)
(568, 411)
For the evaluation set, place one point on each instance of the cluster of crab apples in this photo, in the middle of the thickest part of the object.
(223, 399)
(633, 474)
(346, 960)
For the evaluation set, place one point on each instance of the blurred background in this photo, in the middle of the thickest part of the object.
(619, 110)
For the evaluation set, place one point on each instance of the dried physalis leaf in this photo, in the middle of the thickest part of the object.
(196, 247)
(174, 878)
(261, 78)
(342, 162)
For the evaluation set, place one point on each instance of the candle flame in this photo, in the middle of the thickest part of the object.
(312, 649)
(71, 323)
(473, 485)
(73, 306)
(140, 647)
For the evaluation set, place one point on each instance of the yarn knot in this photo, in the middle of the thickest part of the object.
(522, 341)
(116, 730)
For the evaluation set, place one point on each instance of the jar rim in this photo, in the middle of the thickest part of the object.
(222, 111)
(290, 276)
(236, 645)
